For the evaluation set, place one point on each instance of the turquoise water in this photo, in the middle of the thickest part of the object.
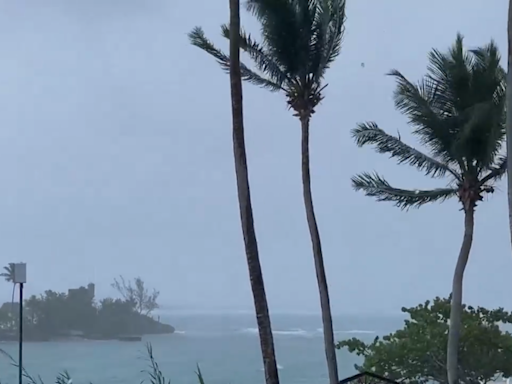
(225, 346)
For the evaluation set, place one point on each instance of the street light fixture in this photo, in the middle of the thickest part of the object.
(20, 278)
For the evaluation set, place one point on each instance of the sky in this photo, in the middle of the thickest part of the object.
(116, 159)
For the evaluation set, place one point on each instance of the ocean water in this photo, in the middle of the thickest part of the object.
(225, 346)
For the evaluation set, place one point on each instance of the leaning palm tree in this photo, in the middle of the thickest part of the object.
(457, 113)
(244, 199)
(509, 114)
(301, 39)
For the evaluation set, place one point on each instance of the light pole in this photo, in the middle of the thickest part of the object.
(20, 278)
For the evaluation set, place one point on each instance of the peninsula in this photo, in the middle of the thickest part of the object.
(77, 315)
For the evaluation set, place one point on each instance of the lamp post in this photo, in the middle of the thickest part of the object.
(20, 278)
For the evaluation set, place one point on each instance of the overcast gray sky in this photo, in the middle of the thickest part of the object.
(116, 158)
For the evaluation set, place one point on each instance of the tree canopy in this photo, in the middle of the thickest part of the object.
(76, 313)
(143, 300)
(300, 40)
(416, 354)
(8, 273)
(457, 112)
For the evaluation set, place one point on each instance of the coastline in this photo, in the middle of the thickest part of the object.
(10, 336)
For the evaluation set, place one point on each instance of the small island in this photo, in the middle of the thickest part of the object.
(77, 315)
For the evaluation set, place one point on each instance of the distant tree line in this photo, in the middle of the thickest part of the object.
(76, 313)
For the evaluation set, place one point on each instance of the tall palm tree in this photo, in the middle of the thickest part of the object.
(509, 114)
(301, 39)
(244, 199)
(457, 113)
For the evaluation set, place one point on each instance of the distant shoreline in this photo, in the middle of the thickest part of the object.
(13, 337)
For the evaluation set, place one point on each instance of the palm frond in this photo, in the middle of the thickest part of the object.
(459, 70)
(370, 133)
(482, 122)
(263, 60)
(496, 172)
(303, 37)
(333, 33)
(416, 102)
(376, 186)
(284, 38)
(198, 39)
(439, 77)
(8, 275)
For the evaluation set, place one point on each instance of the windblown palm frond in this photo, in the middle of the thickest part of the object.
(458, 112)
(198, 38)
(300, 40)
(376, 186)
(262, 60)
(303, 36)
(496, 172)
(370, 133)
(8, 275)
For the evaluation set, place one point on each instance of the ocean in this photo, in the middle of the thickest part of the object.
(225, 346)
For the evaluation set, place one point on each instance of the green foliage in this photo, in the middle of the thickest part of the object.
(457, 112)
(417, 352)
(300, 40)
(54, 315)
(142, 299)
(8, 273)
(154, 373)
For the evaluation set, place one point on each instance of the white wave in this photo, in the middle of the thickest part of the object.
(288, 332)
(351, 331)
(293, 331)
(249, 330)
(279, 366)
(179, 332)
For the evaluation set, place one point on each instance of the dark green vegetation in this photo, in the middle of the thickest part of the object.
(457, 112)
(55, 315)
(153, 371)
(416, 353)
(300, 41)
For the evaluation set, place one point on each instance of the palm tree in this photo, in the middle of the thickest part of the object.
(8, 273)
(509, 115)
(301, 39)
(457, 112)
(8, 276)
(244, 200)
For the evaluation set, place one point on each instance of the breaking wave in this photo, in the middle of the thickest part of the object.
(304, 333)
(290, 332)
(278, 367)
(353, 331)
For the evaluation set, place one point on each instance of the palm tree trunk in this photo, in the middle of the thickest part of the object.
(452, 363)
(244, 201)
(330, 351)
(509, 117)
(12, 304)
